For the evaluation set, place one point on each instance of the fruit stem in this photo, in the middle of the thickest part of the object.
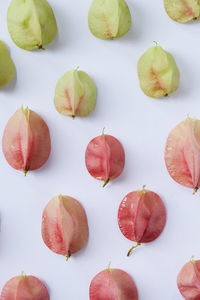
(143, 191)
(103, 133)
(68, 255)
(26, 171)
(106, 182)
(155, 43)
(73, 117)
(41, 47)
(195, 190)
(134, 247)
(109, 269)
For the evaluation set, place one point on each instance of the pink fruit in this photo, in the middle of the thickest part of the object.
(26, 141)
(105, 158)
(24, 288)
(141, 217)
(188, 280)
(113, 284)
(182, 153)
(64, 226)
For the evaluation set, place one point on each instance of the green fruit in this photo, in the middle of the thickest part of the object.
(75, 94)
(158, 73)
(31, 23)
(182, 11)
(109, 19)
(7, 68)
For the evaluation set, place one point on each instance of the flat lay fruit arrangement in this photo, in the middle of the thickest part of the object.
(100, 150)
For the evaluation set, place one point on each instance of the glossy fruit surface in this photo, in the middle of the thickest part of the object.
(182, 11)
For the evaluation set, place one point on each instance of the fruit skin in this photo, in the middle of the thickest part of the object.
(158, 73)
(75, 94)
(64, 226)
(113, 284)
(26, 141)
(24, 288)
(7, 67)
(188, 280)
(142, 216)
(109, 19)
(182, 153)
(105, 158)
(31, 23)
(182, 11)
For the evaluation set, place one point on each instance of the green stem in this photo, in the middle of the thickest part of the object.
(106, 182)
(134, 247)
(73, 117)
(68, 255)
(26, 171)
(195, 190)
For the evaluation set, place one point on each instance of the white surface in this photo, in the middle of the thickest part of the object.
(140, 123)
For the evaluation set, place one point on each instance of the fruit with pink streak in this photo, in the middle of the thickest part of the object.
(64, 226)
(26, 141)
(113, 284)
(105, 158)
(24, 288)
(188, 280)
(182, 153)
(141, 217)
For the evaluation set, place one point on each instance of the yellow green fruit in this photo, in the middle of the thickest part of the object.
(7, 68)
(182, 11)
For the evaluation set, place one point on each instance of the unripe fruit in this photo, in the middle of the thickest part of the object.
(158, 73)
(64, 226)
(26, 141)
(75, 94)
(182, 11)
(31, 23)
(109, 19)
(7, 68)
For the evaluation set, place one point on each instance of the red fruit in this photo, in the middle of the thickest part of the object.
(26, 141)
(188, 280)
(113, 284)
(105, 158)
(141, 217)
(64, 226)
(182, 153)
(24, 288)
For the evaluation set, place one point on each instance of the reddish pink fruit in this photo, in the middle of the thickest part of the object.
(105, 158)
(141, 217)
(24, 288)
(26, 141)
(64, 226)
(188, 280)
(113, 284)
(182, 153)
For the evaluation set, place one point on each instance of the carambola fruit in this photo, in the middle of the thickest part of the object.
(31, 23)
(158, 73)
(75, 94)
(109, 19)
(182, 11)
(7, 68)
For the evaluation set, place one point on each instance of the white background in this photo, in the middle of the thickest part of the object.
(140, 123)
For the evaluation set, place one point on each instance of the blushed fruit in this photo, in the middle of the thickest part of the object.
(113, 284)
(75, 94)
(31, 23)
(105, 158)
(24, 288)
(182, 153)
(64, 226)
(158, 73)
(182, 11)
(141, 217)
(7, 68)
(109, 19)
(188, 280)
(26, 141)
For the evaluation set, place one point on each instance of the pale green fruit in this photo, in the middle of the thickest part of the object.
(109, 19)
(182, 11)
(158, 73)
(7, 68)
(31, 23)
(75, 94)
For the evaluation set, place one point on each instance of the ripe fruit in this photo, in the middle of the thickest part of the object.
(113, 284)
(158, 73)
(7, 68)
(141, 217)
(182, 11)
(182, 153)
(105, 158)
(24, 288)
(188, 280)
(64, 226)
(75, 94)
(31, 23)
(26, 141)
(109, 19)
